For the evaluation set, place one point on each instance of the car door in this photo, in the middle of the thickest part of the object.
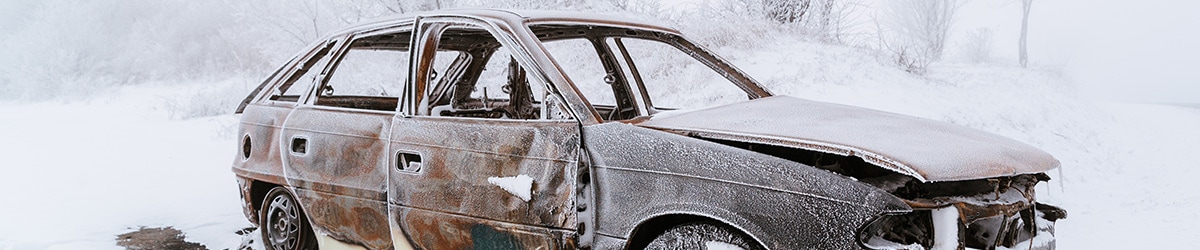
(265, 112)
(335, 143)
(475, 166)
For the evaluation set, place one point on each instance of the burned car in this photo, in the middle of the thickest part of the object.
(491, 129)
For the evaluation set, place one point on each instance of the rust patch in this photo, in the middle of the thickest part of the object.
(448, 231)
(340, 178)
(347, 219)
(459, 155)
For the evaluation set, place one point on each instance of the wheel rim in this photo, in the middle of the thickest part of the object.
(283, 223)
(701, 236)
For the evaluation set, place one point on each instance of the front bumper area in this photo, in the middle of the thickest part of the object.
(1028, 228)
(1000, 214)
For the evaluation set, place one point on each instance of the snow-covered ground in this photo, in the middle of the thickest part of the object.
(77, 173)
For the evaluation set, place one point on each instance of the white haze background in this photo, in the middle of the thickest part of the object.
(116, 114)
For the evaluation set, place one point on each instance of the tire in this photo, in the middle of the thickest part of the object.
(701, 236)
(283, 223)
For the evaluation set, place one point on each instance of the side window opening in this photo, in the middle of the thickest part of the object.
(492, 84)
(369, 75)
(628, 90)
(604, 79)
(627, 74)
(579, 61)
(446, 71)
(664, 71)
(373, 72)
(258, 90)
(301, 80)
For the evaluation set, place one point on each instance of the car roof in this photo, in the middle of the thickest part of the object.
(524, 17)
(568, 17)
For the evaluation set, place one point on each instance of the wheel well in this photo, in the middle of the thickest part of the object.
(258, 192)
(650, 229)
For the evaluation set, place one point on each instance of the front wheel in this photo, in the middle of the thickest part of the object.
(702, 236)
(283, 224)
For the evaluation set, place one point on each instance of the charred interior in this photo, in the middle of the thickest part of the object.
(992, 212)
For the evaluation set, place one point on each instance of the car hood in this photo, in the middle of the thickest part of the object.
(924, 149)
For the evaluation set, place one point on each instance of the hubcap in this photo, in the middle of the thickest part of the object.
(284, 220)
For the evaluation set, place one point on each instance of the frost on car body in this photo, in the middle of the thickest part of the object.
(505, 130)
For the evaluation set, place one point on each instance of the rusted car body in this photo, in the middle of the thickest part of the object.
(419, 153)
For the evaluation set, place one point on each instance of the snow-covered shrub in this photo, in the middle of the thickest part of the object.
(914, 32)
(70, 48)
(716, 26)
(823, 20)
(651, 7)
(278, 29)
(207, 98)
(976, 47)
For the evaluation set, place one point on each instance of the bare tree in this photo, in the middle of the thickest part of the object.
(915, 31)
(1024, 56)
(786, 11)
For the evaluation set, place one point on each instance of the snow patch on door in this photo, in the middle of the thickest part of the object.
(520, 185)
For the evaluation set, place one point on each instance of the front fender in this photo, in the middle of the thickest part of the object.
(641, 173)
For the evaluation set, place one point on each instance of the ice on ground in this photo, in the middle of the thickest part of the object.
(78, 174)
(520, 185)
(880, 243)
(717, 245)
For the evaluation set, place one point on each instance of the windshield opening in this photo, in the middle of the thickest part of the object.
(625, 73)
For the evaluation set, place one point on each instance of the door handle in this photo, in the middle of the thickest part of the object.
(299, 145)
(408, 161)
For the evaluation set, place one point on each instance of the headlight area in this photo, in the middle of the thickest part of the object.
(1007, 217)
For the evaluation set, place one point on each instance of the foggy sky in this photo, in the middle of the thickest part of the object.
(1141, 51)
(1138, 51)
(1144, 51)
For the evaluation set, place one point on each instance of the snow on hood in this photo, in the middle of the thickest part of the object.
(924, 149)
